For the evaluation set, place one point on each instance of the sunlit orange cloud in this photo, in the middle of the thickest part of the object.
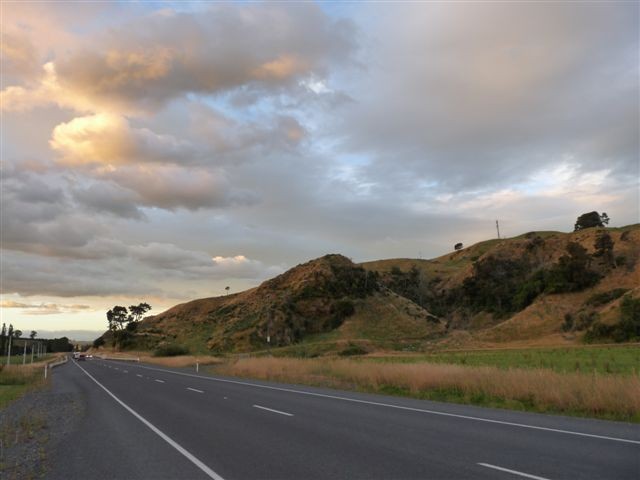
(285, 66)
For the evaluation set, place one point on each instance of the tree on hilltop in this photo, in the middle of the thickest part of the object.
(590, 220)
(138, 311)
(117, 318)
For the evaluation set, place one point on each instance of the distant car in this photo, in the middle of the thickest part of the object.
(82, 356)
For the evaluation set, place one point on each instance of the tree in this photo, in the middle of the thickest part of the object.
(572, 272)
(117, 318)
(591, 219)
(138, 311)
(458, 246)
(33, 334)
(17, 333)
(227, 289)
(3, 337)
(604, 248)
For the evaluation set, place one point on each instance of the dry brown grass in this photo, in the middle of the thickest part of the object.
(607, 396)
(181, 361)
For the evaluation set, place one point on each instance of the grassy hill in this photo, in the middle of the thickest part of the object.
(540, 288)
(329, 299)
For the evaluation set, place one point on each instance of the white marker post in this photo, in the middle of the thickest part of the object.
(9, 353)
(197, 367)
(45, 371)
(24, 354)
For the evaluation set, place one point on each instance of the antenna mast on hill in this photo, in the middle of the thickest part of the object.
(498, 229)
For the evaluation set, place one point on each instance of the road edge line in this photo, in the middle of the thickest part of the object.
(514, 472)
(189, 456)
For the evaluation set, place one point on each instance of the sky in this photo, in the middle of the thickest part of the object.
(160, 152)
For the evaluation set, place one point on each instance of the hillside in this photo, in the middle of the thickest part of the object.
(327, 296)
(519, 291)
(540, 288)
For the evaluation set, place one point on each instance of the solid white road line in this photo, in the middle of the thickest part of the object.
(159, 381)
(515, 472)
(274, 411)
(157, 431)
(195, 390)
(399, 407)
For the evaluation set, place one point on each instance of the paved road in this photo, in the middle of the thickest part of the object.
(145, 421)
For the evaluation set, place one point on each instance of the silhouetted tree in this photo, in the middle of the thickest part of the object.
(138, 311)
(3, 337)
(458, 246)
(33, 334)
(17, 333)
(117, 318)
(591, 219)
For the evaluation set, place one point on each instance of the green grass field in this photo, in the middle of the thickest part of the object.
(623, 360)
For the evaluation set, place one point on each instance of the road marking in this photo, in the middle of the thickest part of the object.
(126, 371)
(274, 411)
(138, 375)
(399, 407)
(159, 381)
(195, 390)
(158, 432)
(515, 472)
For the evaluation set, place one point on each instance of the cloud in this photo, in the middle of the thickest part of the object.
(44, 308)
(109, 139)
(171, 186)
(144, 63)
(240, 266)
(110, 198)
(479, 96)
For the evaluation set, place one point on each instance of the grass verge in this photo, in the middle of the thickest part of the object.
(612, 397)
(603, 359)
(16, 380)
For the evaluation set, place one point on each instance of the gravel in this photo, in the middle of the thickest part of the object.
(30, 428)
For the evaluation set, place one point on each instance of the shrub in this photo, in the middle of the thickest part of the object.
(599, 299)
(567, 325)
(627, 329)
(353, 349)
(170, 350)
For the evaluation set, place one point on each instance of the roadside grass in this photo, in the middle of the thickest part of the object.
(181, 361)
(623, 360)
(172, 362)
(15, 432)
(606, 396)
(16, 380)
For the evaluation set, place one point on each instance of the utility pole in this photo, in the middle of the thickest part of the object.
(498, 229)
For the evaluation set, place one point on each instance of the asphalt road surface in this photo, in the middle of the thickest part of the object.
(149, 422)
